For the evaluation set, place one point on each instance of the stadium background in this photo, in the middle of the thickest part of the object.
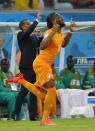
(82, 43)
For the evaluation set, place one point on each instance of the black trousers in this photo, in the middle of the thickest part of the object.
(30, 76)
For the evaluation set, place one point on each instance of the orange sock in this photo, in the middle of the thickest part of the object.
(49, 102)
(30, 87)
(39, 104)
(53, 111)
(39, 107)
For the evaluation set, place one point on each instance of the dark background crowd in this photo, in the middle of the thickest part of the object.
(47, 4)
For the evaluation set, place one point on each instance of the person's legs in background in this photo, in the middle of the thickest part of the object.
(9, 99)
(33, 107)
(26, 104)
(30, 76)
(19, 101)
(21, 113)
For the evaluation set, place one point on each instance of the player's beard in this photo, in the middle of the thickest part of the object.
(62, 25)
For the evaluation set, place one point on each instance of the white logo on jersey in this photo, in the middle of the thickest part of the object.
(75, 82)
(49, 75)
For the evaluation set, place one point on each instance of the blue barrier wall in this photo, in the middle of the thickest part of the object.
(16, 17)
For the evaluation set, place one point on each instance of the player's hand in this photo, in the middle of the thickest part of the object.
(72, 26)
(56, 27)
(39, 15)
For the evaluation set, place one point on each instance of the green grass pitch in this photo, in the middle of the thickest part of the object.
(75, 124)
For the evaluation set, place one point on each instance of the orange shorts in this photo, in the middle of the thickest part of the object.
(43, 72)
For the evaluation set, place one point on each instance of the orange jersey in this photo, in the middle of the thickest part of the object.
(42, 63)
(49, 54)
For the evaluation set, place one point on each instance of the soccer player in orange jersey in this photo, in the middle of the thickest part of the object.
(50, 46)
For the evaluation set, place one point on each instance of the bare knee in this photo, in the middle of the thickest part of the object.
(49, 84)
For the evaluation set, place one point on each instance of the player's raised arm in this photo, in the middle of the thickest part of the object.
(68, 36)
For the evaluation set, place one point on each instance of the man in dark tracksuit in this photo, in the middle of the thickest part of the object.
(28, 45)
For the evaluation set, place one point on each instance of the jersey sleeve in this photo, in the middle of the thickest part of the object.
(46, 34)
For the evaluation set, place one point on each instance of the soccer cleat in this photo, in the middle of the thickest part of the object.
(15, 79)
(43, 123)
(49, 122)
(46, 123)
